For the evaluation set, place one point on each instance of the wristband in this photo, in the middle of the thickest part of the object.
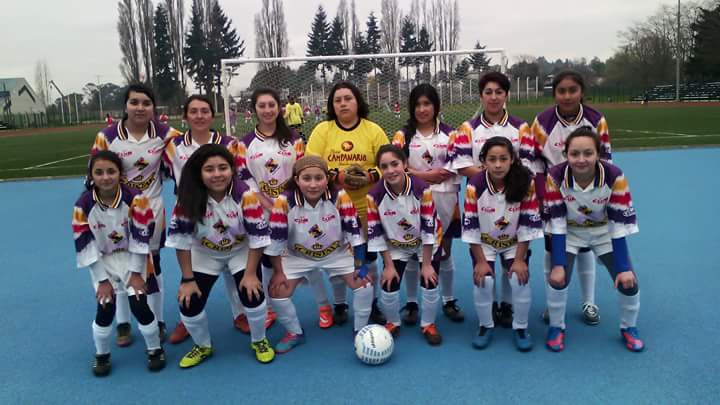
(187, 280)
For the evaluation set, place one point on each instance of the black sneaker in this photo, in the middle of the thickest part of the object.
(124, 336)
(505, 315)
(410, 313)
(453, 311)
(156, 359)
(163, 331)
(340, 314)
(495, 313)
(101, 365)
(376, 316)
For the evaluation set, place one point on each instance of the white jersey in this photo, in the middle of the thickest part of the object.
(180, 149)
(265, 164)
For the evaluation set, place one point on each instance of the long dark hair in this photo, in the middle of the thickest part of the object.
(362, 107)
(110, 156)
(584, 131)
(282, 131)
(138, 88)
(517, 181)
(390, 148)
(423, 89)
(192, 193)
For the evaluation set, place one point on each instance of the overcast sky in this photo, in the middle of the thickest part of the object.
(79, 39)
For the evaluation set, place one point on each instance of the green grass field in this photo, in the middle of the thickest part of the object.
(63, 151)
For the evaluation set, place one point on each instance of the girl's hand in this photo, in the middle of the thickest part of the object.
(186, 291)
(557, 277)
(138, 284)
(520, 268)
(388, 275)
(278, 281)
(252, 284)
(626, 279)
(427, 272)
(481, 271)
(105, 293)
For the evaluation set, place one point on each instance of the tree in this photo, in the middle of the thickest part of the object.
(223, 43)
(271, 40)
(479, 61)
(704, 63)
(360, 67)
(408, 43)
(335, 46)
(344, 15)
(318, 41)
(176, 28)
(354, 31)
(372, 41)
(127, 30)
(165, 78)
(424, 44)
(462, 69)
(145, 35)
(390, 19)
(196, 50)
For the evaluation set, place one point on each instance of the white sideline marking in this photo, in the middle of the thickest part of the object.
(53, 162)
(672, 135)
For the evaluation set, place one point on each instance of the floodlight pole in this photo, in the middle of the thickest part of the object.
(102, 115)
(62, 96)
(677, 57)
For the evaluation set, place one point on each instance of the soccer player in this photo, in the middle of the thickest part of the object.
(464, 153)
(248, 116)
(108, 119)
(317, 113)
(588, 205)
(348, 142)
(314, 226)
(218, 226)
(396, 109)
(501, 217)
(111, 226)
(164, 118)
(294, 116)
(424, 139)
(550, 130)
(140, 142)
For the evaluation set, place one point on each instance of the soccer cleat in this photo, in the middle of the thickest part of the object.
(505, 315)
(483, 338)
(555, 339)
(270, 320)
(523, 340)
(326, 317)
(410, 313)
(495, 313)
(631, 337)
(393, 329)
(341, 314)
(101, 365)
(162, 330)
(591, 313)
(376, 315)
(156, 359)
(124, 337)
(288, 342)
(453, 311)
(180, 334)
(241, 323)
(195, 356)
(545, 316)
(431, 334)
(263, 352)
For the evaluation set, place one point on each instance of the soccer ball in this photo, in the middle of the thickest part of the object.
(374, 344)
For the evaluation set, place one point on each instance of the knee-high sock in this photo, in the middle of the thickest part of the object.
(505, 288)
(391, 306)
(339, 290)
(232, 294)
(256, 319)
(447, 271)
(629, 309)
(547, 266)
(267, 275)
(101, 336)
(483, 297)
(151, 334)
(521, 296)
(318, 288)
(156, 300)
(197, 327)
(411, 278)
(362, 304)
(122, 307)
(430, 298)
(287, 315)
(556, 303)
(373, 269)
(586, 274)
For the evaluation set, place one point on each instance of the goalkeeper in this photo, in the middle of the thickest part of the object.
(294, 116)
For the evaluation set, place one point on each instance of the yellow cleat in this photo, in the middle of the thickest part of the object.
(195, 356)
(263, 352)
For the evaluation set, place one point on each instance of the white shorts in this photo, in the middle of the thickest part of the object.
(599, 243)
(337, 264)
(117, 269)
(158, 209)
(491, 253)
(204, 263)
(445, 205)
(405, 254)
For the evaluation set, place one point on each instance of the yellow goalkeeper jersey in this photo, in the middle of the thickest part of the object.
(293, 114)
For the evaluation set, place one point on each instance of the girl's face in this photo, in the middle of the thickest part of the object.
(493, 98)
(139, 108)
(199, 116)
(313, 182)
(498, 161)
(424, 110)
(267, 109)
(393, 169)
(582, 156)
(345, 105)
(216, 174)
(105, 176)
(568, 94)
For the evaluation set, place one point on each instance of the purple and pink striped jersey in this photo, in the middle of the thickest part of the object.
(265, 164)
(178, 151)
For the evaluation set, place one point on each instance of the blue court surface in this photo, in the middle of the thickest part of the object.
(47, 307)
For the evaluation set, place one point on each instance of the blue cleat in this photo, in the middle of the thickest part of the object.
(288, 342)
(631, 337)
(555, 339)
(523, 340)
(483, 338)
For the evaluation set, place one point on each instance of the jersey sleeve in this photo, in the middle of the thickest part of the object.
(471, 221)
(376, 234)
(621, 214)
(399, 139)
(555, 208)
(539, 137)
(100, 143)
(299, 147)
(349, 220)
(142, 225)
(239, 151)
(317, 140)
(428, 217)
(256, 227)
(278, 227)
(528, 148)
(181, 230)
(86, 249)
(460, 147)
(604, 133)
(529, 223)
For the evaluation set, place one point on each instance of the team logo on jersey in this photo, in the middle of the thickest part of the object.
(502, 223)
(569, 198)
(301, 220)
(256, 156)
(124, 154)
(223, 246)
(283, 152)
(141, 164)
(487, 210)
(220, 226)
(585, 210)
(271, 165)
(405, 224)
(408, 236)
(328, 218)
(115, 237)
(315, 231)
(427, 157)
(317, 246)
(347, 146)
(601, 201)
(138, 183)
(389, 213)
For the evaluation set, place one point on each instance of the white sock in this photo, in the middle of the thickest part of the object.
(556, 303)
(287, 315)
(629, 309)
(430, 298)
(339, 290)
(256, 319)
(318, 288)
(447, 271)
(151, 334)
(232, 294)
(362, 305)
(521, 297)
(412, 280)
(483, 297)
(373, 269)
(101, 336)
(391, 306)
(505, 288)
(266, 275)
(155, 301)
(122, 307)
(585, 266)
(546, 271)
(197, 327)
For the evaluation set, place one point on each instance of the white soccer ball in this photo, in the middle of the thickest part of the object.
(374, 344)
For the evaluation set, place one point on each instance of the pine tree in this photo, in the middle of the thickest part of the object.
(335, 43)
(196, 51)
(704, 62)
(165, 74)
(223, 43)
(372, 40)
(318, 41)
(408, 43)
(424, 44)
(479, 61)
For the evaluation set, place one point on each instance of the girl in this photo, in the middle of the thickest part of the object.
(348, 142)
(588, 205)
(140, 142)
(401, 225)
(217, 226)
(266, 155)
(501, 218)
(313, 226)
(424, 139)
(550, 131)
(112, 225)
(467, 142)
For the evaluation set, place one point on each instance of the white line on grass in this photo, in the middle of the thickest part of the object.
(673, 135)
(53, 162)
